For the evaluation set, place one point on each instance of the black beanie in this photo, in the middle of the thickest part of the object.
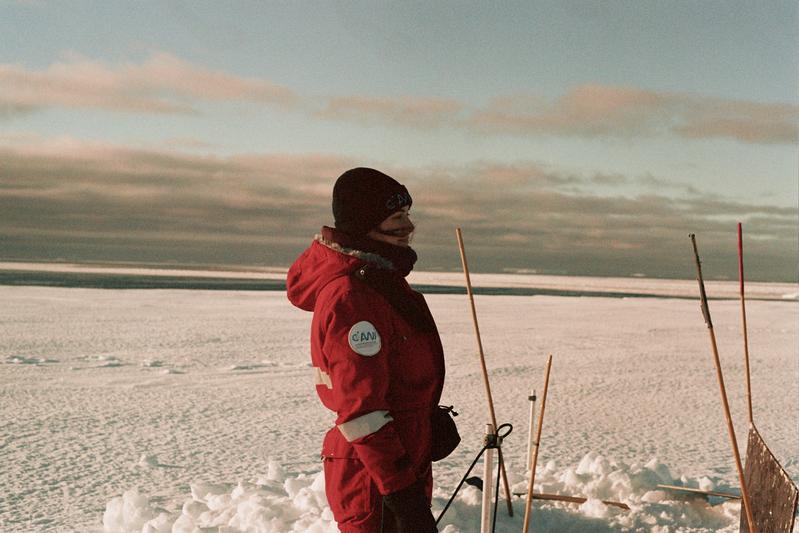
(365, 197)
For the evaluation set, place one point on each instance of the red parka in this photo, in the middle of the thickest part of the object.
(380, 374)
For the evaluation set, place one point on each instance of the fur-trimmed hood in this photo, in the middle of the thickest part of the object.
(321, 263)
(368, 257)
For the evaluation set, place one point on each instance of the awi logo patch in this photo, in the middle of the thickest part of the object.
(364, 339)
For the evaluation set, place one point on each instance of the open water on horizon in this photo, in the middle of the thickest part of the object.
(92, 280)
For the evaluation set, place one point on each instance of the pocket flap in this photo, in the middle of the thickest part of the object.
(335, 446)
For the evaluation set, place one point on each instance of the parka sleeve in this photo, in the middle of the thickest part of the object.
(357, 345)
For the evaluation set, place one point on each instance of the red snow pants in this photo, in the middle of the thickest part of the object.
(355, 500)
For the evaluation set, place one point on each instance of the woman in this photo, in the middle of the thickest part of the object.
(377, 357)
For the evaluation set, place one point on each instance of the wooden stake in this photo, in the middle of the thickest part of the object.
(492, 415)
(571, 499)
(743, 320)
(722, 389)
(528, 504)
(728, 495)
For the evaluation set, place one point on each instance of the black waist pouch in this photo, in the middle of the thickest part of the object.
(445, 433)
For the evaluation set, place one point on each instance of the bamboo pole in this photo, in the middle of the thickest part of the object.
(492, 415)
(722, 389)
(743, 320)
(528, 504)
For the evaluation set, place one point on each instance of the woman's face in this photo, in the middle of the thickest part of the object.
(397, 229)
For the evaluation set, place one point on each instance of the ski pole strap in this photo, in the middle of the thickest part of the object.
(494, 440)
(491, 441)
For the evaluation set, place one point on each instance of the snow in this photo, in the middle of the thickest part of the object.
(171, 410)
(299, 504)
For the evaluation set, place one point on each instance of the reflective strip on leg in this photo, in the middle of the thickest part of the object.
(364, 425)
(322, 378)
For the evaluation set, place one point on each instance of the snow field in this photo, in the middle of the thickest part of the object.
(183, 409)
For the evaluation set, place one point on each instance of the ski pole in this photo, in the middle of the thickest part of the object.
(488, 479)
(501, 432)
(722, 389)
(492, 415)
(530, 439)
(528, 504)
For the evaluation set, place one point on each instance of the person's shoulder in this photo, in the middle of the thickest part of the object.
(345, 290)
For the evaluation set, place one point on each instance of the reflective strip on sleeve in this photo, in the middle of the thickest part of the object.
(364, 425)
(322, 378)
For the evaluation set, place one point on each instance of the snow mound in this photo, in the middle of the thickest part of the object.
(279, 502)
(599, 479)
(36, 361)
(296, 504)
(132, 512)
(109, 362)
(101, 361)
(252, 366)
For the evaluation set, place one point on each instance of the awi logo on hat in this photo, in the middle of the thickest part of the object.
(397, 200)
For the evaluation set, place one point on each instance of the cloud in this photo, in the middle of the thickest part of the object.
(185, 142)
(609, 179)
(68, 184)
(552, 226)
(748, 122)
(584, 111)
(162, 83)
(608, 111)
(97, 201)
(426, 113)
(653, 182)
(588, 111)
(11, 109)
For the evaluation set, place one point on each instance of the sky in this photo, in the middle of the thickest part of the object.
(578, 138)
